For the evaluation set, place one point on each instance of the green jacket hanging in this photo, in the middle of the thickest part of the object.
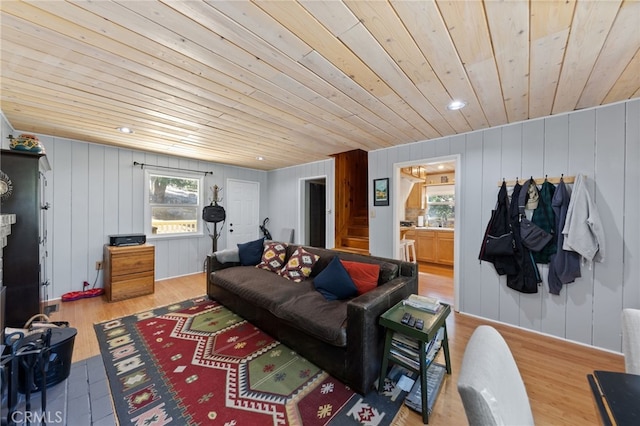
(544, 217)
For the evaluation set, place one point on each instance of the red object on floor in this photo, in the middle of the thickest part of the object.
(75, 295)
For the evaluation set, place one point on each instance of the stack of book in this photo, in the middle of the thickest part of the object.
(435, 375)
(423, 303)
(406, 349)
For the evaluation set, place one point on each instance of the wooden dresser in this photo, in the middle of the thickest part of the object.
(129, 271)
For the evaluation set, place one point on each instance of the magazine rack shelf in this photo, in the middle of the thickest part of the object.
(412, 348)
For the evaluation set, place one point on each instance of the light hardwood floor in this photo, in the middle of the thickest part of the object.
(554, 371)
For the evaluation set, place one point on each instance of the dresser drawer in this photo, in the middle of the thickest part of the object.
(132, 286)
(122, 264)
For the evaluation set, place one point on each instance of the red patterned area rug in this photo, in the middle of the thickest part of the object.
(198, 363)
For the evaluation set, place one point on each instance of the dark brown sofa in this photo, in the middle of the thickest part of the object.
(342, 337)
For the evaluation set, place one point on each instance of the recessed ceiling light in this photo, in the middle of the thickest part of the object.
(440, 166)
(259, 158)
(127, 130)
(455, 105)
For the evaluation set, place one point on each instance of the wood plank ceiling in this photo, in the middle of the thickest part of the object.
(297, 81)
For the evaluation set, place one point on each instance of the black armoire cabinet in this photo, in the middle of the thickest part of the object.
(21, 256)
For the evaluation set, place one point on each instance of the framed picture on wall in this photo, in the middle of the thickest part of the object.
(381, 192)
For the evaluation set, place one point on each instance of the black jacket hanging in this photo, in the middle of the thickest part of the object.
(527, 277)
(498, 232)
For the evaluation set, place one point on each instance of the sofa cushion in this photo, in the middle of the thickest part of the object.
(260, 287)
(334, 282)
(299, 265)
(298, 303)
(273, 257)
(251, 252)
(364, 275)
(313, 314)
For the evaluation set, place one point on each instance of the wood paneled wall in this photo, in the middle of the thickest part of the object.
(96, 191)
(603, 144)
(350, 192)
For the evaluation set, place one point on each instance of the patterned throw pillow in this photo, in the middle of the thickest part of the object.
(299, 265)
(273, 257)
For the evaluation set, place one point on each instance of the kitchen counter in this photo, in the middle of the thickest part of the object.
(428, 228)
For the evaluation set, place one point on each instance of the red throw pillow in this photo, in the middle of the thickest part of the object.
(364, 275)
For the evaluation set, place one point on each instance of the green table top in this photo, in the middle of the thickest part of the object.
(432, 322)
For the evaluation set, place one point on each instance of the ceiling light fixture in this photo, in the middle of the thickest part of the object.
(456, 105)
(127, 130)
(440, 166)
(260, 158)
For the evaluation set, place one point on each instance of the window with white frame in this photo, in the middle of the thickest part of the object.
(441, 203)
(173, 204)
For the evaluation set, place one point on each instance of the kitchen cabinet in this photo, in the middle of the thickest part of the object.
(426, 245)
(407, 233)
(444, 252)
(434, 246)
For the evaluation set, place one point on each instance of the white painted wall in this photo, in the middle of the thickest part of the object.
(95, 190)
(602, 143)
(284, 197)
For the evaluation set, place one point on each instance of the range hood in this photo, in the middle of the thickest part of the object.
(409, 176)
(406, 185)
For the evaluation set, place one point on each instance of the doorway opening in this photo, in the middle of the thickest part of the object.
(314, 206)
(426, 212)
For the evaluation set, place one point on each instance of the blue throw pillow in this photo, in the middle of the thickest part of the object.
(251, 253)
(334, 282)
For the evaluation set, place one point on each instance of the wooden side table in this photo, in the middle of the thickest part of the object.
(391, 320)
(129, 271)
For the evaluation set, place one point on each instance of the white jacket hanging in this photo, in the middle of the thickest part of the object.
(583, 231)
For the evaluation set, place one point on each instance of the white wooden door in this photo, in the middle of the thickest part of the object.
(243, 210)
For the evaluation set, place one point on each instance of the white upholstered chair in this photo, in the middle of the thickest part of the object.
(631, 340)
(490, 384)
